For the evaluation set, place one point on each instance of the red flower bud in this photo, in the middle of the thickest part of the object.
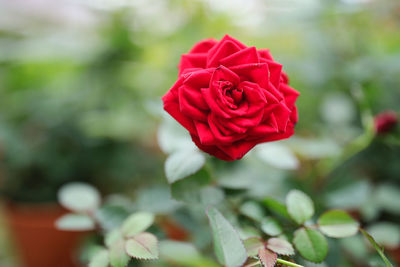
(385, 122)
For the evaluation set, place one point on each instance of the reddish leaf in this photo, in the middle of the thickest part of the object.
(267, 257)
(280, 246)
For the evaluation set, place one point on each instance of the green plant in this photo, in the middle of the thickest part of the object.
(125, 236)
(34, 167)
(79, 101)
(73, 120)
(270, 230)
(308, 239)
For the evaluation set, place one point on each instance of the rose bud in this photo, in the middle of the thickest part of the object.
(384, 122)
(231, 97)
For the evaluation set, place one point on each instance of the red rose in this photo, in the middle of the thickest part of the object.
(385, 122)
(231, 97)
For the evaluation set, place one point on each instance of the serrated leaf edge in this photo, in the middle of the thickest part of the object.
(234, 229)
(263, 263)
(285, 254)
(144, 258)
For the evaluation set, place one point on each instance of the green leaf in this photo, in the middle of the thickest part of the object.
(248, 231)
(277, 155)
(118, 256)
(142, 246)
(232, 177)
(79, 197)
(183, 254)
(183, 163)
(156, 199)
(377, 247)
(228, 247)
(252, 245)
(178, 251)
(267, 257)
(75, 222)
(211, 195)
(355, 246)
(252, 210)
(100, 259)
(337, 223)
(276, 207)
(280, 246)
(270, 226)
(110, 217)
(299, 206)
(189, 190)
(136, 223)
(349, 196)
(314, 148)
(388, 198)
(311, 244)
(112, 237)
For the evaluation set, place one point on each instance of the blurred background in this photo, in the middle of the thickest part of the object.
(80, 89)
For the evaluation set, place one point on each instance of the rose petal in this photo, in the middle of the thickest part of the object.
(223, 49)
(267, 127)
(204, 133)
(189, 71)
(275, 70)
(248, 122)
(191, 104)
(255, 96)
(171, 105)
(255, 72)
(245, 56)
(279, 136)
(230, 127)
(212, 103)
(212, 150)
(199, 78)
(274, 91)
(282, 113)
(213, 95)
(294, 116)
(222, 41)
(290, 94)
(238, 149)
(192, 61)
(219, 136)
(284, 78)
(224, 74)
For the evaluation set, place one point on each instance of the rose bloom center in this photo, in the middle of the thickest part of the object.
(233, 96)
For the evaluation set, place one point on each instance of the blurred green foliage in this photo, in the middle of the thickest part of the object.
(80, 88)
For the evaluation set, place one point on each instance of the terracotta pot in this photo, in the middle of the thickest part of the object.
(395, 255)
(37, 242)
